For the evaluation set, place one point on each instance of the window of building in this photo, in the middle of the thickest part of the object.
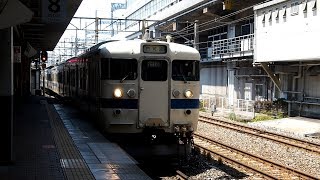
(220, 33)
(259, 92)
(314, 5)
(305, 6)
(246, 29)
(284, 15)
(277, 14)
(148, 10)
(294, 8)
(270, 15)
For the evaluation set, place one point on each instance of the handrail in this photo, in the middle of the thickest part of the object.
(233, 45)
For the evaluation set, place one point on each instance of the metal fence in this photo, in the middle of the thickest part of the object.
(233, 45)
(220, 104)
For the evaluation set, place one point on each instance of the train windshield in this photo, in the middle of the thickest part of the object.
(154, 70)
(185, 70)
(119, 69)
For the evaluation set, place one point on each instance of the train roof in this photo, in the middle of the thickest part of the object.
(94, 49)
(132, 47)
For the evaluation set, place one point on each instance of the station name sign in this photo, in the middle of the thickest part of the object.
(54, 11)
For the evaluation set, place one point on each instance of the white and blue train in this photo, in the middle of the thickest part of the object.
(134, 86)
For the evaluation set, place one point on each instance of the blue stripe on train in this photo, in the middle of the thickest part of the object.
(185, 103)
(119, 103)
(133, 103)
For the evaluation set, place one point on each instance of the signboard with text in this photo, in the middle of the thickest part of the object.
(115, 6)
(54, 11)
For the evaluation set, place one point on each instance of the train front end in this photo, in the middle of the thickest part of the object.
(169, 91)
(155, 93)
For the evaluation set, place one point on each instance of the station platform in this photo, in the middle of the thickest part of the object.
(51, 143)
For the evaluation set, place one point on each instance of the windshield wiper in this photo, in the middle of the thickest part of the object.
(125, 77)
(184, 78)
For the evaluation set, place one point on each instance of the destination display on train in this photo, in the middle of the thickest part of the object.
(155, 49)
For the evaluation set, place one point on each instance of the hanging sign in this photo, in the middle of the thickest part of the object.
(115, 6)
(54, 11)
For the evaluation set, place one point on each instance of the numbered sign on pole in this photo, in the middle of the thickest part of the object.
(53, 11)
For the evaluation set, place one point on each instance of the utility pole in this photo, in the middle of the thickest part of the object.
(96, 29)
(76, 44)
(196, 35)
(112, 30)
(85, 35)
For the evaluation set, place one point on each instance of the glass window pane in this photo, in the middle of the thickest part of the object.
(154, 70)
(185, 70)
(118, 69)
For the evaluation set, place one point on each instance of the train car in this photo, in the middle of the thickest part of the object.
(135, 87)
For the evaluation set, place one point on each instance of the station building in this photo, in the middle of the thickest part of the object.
(286, 39)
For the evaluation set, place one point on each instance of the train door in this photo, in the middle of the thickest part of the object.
(153, 96)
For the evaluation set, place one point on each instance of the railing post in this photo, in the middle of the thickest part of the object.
(247, 105)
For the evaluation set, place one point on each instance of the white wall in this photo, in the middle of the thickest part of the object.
(295, 37)
(176, 9)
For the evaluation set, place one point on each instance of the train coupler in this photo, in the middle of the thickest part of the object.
(184, 134)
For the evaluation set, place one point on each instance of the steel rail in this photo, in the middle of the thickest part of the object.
(294, 142)
(267, 168)
(181, 175)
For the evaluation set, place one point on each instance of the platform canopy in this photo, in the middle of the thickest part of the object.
(39, 23)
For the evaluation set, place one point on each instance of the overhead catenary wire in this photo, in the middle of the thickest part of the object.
(231, 22)
(186, 31)
(219, 19)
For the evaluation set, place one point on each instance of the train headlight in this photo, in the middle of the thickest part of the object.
(131, 93)
(117, 93)
(188, 93)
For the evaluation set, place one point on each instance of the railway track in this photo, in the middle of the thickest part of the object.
(294, 142)
(249, 162)
(181, 176)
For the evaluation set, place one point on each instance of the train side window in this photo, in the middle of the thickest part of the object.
(119, 69)
(85, 75)
(154, 70)
(185, 70)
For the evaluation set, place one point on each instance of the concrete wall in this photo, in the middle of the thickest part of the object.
(213, 81)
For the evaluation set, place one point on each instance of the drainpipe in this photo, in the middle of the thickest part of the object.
(295, 78)
(294, 88)
(303, 84)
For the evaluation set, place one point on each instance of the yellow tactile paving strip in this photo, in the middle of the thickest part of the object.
(71, 161)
